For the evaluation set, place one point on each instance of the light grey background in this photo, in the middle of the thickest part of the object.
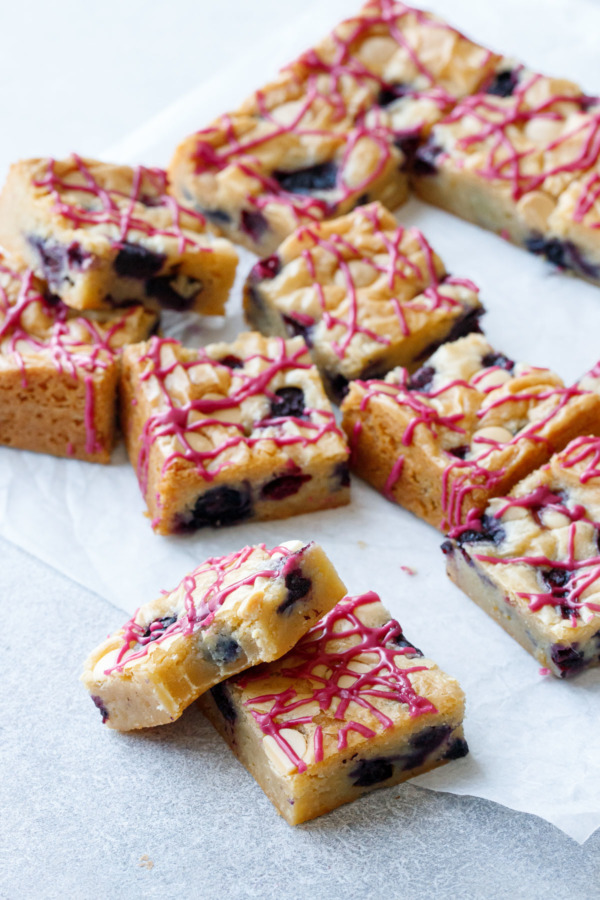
(80, 806)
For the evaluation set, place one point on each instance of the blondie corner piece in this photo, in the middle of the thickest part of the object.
(336, 129)
(59, 370)
(465, 427)
(231, 432)
(227, 615)
(104, 235)
(532, 561)
(352, 707)
(366, 294)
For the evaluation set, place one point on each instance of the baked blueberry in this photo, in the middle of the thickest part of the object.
(284, 486)
(254, 224)
(222, 506)
(288, 401)
(422, 379)
(321, 177)
(372, 771)
(503, 83)
(297, 586)
(135, 261)
(222, 699)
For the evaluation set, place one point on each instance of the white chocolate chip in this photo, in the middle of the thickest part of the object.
(493, 379)
(554, 519)
(277, 756)
(536, 208)
(105, 662)
(486, 438)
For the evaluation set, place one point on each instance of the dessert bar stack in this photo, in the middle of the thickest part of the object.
(319, 695)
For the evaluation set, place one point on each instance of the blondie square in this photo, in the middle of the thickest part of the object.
(231, 432)
(366, 294)
(465, 427)
(335, 130)
(502, 157)
(59, 369)
(532, 560)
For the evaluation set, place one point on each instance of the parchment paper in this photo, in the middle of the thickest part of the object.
(533, 739)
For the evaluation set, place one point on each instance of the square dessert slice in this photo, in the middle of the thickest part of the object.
(59, 370)
(366, 294)
(465, 427)
(334, 130)
(532, 561)
(103, 235)
(502, 157)
(229, 614)
(230, 432)
(352, 707)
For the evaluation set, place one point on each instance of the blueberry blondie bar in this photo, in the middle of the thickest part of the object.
(465, 427)
(336, 129)
(532, 560)
(366, 294)
(230, 613)
(103, 235)
(353, 706)
(231, 432)
(59, 369)
(503, 158)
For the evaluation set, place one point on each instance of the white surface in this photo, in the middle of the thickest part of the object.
(533, 740)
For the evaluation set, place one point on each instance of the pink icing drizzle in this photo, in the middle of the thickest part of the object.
(384, 678)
